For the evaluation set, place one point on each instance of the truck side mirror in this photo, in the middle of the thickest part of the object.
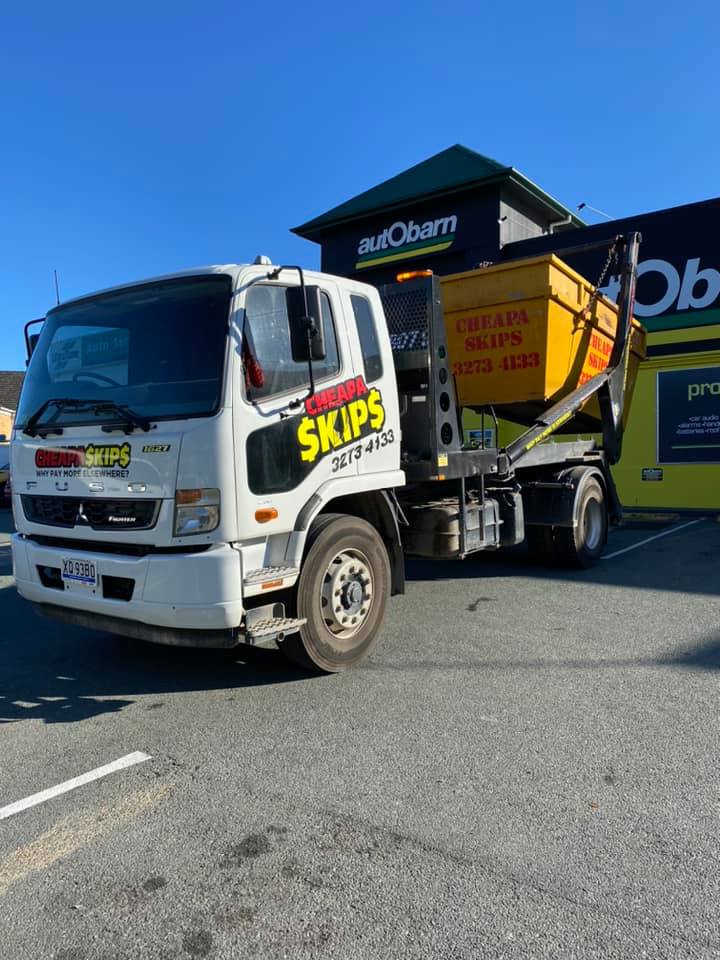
(31, 339)
(298, 320)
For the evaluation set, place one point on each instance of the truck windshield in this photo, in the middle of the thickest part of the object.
(157, 349)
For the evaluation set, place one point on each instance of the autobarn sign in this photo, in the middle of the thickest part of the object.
(405, 239)
(444, 234)
(679, 268)
(671, 289)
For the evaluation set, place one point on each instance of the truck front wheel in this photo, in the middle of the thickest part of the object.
(341, 592)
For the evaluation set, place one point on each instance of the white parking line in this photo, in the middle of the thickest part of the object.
(128, 761)
(656, 536)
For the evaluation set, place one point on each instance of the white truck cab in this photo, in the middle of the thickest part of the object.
(170, 459)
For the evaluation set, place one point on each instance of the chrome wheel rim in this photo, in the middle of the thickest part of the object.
(346, 596)
(593, 524)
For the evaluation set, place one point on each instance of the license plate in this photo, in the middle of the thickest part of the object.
(81, 573)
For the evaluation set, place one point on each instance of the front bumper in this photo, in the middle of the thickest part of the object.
(171, 593)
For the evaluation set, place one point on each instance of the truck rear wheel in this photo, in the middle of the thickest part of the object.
(342, 592)
(580, 546)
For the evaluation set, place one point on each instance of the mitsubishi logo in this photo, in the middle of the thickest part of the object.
(81, 515)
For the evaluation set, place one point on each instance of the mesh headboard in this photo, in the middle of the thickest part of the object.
(408, 310)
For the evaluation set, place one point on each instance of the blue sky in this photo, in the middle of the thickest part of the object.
(142, 138)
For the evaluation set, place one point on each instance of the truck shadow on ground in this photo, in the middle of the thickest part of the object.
(5, 560)
(62, 674)
(702, 656)
(685, 561)
(6, 520)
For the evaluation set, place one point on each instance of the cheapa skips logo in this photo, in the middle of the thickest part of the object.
(404, 240)
(94, 456)
(337, 416)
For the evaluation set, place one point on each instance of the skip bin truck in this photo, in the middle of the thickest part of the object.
(245, 453)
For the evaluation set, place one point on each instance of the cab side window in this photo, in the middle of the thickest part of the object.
(367, 333)
(267, 356)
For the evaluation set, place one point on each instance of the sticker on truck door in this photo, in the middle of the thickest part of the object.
(338, 416)
(345, 420)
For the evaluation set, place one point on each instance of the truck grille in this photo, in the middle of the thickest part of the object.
(91, 513)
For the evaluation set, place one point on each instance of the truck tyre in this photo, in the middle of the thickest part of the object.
(342, 591)
(580, 546)
(541, 544)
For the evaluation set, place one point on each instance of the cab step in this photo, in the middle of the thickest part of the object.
(269, 578)
(266, 632)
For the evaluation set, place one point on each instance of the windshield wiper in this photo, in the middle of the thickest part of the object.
(31, 426)
(128, 417)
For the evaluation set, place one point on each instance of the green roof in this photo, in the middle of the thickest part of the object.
(451, 170)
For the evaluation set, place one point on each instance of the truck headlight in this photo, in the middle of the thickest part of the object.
(196, 511)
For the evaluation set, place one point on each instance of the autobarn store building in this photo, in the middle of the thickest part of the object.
(458, 210)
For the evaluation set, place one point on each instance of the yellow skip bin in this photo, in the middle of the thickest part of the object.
(520, 338)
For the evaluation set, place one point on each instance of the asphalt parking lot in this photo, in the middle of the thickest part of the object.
(527, 767)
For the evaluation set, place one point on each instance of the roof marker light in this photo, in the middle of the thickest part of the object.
(412, 275)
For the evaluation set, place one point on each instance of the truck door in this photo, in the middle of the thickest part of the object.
(287, 443)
